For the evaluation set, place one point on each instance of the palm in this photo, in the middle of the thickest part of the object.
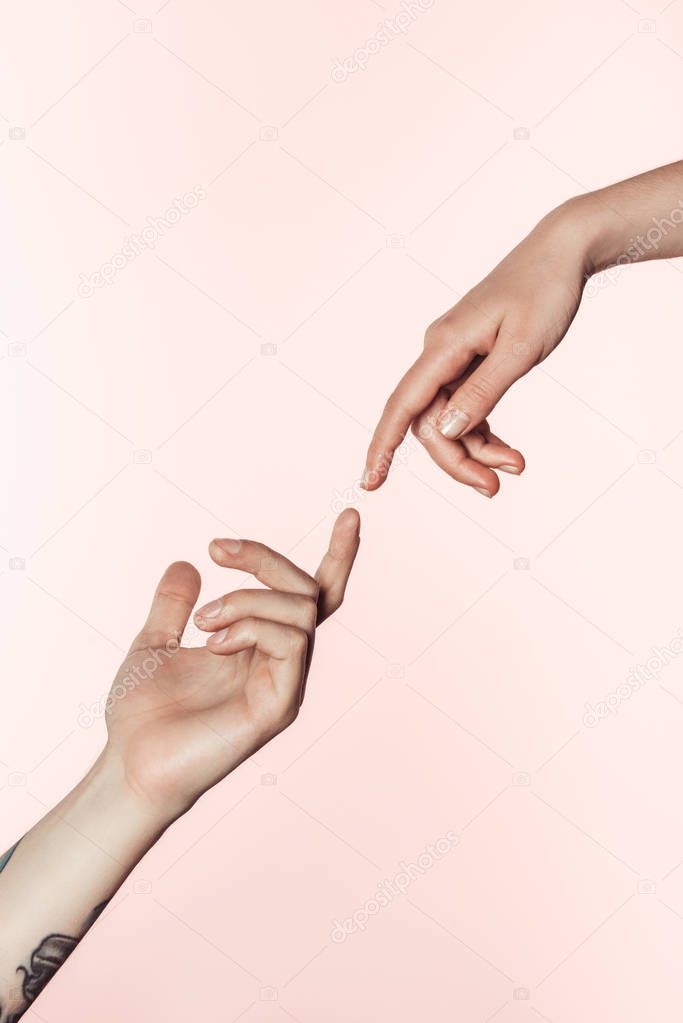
(195, 712)
(179, 718)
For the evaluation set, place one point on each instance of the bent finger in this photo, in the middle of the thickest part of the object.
(415, 391)
(491, 451)
(479, 394)
(452, 456)
(266, 565)
(274, 605)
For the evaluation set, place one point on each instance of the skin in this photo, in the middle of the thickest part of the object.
(179, 720)
(513, 319)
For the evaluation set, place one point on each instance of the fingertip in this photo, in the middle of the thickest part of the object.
(202, 623)
(368, 485)
(220, 550)
(513, 463)
(215, 552)
(345, 537)
(182, 575)
(348, 520)
(371, 479)
(377, 466)
(497, 454)
(488, 486)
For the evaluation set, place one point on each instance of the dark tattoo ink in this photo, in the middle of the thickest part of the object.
(45, 960)
(52, 953)
(6, 857)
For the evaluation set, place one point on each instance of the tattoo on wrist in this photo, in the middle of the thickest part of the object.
(45, 960)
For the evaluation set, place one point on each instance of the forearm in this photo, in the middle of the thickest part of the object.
(633, 220)
(61, 874)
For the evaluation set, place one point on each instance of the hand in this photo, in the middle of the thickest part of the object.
(508, 323)
(180, 719)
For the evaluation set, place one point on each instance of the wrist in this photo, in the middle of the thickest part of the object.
(105, 809)
(607, 234)
(581, 227)
(612, 231)
(75, 858)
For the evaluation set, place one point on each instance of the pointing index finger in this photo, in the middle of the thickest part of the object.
(410, 397)
(414, 393)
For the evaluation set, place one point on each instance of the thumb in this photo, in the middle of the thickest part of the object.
(479, 394)
(174, 598)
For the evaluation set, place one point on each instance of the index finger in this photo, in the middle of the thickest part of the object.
(414, 393)
(335, 568)
(266, 565)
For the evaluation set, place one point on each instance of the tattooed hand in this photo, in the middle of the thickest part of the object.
(44, 962)
(179, 720)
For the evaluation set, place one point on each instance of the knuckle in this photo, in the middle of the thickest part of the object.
(447, 342)
(298, 640)
(436, 332)
(309, 607)
(449, 354)
(168, 593)
(420, 429)
(479, 389)
(522, 351)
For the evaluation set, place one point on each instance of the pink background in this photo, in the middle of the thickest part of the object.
(449, 693)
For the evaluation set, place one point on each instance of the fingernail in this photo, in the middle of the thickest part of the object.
(453, 422)
(480, 490)
(509, 468)
(229, 546)
(365, 479)
(211, 610)
(221, 637)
